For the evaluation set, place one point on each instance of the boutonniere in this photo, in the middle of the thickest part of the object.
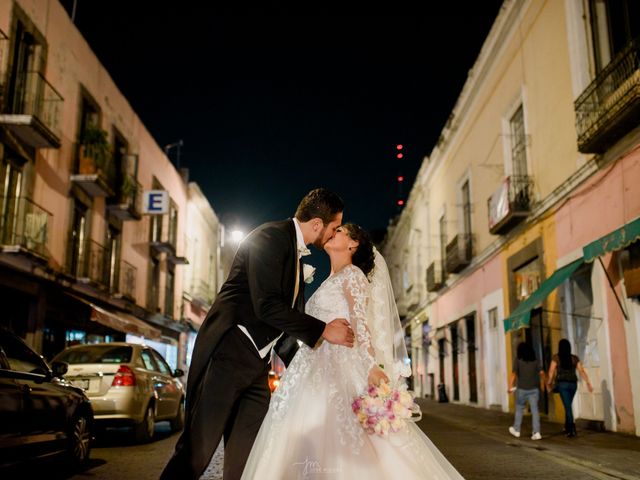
(308, 271)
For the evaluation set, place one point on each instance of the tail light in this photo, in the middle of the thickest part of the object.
(124, 377)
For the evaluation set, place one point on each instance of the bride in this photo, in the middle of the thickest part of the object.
(310, 428)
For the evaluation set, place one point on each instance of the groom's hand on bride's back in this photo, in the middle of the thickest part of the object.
(339, 332)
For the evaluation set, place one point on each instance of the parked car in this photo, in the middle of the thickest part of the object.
(128, 384)
(41, 414)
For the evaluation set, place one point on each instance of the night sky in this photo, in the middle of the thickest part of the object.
(270, 106)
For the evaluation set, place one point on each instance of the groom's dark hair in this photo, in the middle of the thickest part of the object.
(319, 203)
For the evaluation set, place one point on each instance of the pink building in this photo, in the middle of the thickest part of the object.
(80, 262)
(467, 336)
(601, 317)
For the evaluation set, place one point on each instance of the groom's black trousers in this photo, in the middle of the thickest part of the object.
(233, 401)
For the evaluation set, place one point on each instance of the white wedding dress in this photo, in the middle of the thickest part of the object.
(310, 430)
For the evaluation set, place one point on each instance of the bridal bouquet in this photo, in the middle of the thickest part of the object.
(383, 410)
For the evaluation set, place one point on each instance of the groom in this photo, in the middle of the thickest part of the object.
(259, 309)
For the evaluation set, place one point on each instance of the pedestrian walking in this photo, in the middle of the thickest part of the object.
(526, 373)
(563, 370)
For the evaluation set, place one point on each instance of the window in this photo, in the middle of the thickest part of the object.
(169, 292)
(147, 359)
(114, 239)
(162, 365)
(173, 224)
(443, 244)
(120, 149)
(466, 208)
(614, 23)
(493, 318)
(11, 183)
(156, 228)
(27, 59)
(154, 285)
(20, 357)
(77, 239)
(89, 115)
(518, 144)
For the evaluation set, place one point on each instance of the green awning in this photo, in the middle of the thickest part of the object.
(616, 240)
(521, 316)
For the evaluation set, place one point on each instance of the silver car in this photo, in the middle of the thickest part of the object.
(127, 384)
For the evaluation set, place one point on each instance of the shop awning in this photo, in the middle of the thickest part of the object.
(120, 321)
(616, 240)
(521, 316)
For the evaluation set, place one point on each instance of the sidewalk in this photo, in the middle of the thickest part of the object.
(612, 454)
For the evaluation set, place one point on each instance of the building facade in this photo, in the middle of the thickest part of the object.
(80, 262)
(522, 224)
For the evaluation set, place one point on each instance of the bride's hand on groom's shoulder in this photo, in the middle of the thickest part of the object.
(376, 375)
(339, 332)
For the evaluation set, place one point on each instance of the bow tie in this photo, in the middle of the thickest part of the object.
(303, 251)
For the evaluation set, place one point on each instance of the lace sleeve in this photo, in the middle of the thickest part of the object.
(356, 290)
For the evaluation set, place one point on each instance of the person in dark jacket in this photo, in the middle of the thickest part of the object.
(563, 368)
(527, 371)
(259, 310)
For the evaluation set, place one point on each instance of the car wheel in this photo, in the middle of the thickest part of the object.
(143, 431)
(80, 441)
(177, 423)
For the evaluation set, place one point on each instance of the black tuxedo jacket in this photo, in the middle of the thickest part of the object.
(258, 295)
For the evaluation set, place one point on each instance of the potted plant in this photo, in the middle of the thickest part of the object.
(128, 189)
(95, 151)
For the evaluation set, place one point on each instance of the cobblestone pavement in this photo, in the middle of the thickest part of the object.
(474, 440)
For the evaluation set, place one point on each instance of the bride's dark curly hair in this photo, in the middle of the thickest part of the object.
(363, 257)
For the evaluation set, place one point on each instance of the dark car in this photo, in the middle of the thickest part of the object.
(41, 414)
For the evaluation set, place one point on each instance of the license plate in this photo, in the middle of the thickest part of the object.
(83, 384)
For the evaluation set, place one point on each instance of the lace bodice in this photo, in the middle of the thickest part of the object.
(342, 370)
(346, 295)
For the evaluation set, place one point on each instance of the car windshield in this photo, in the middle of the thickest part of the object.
(97, 354)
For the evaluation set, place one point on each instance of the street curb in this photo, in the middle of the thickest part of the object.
(542, 450)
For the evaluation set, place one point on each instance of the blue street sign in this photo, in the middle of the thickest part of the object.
(155, 202)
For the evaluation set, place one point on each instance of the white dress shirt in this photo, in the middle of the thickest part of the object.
(301, 248)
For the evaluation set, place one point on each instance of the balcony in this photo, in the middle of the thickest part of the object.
(96, 172)
(202, 294)
(127, 281)
(127, 203)
(33, 114)
(510, 204)
(435, 279)
(609, 107)
(92, 269)
(24, 227)
(164, 239)
(459, 253)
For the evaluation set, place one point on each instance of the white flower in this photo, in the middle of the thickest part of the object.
(308, 271)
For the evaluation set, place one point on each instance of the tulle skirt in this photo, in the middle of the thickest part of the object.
(310, 430)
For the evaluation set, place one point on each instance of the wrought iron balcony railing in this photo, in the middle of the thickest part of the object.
(510, 204)
(435, 278)
(609, 107)
(97, 177)
(127, 280)
(459, 253)
(33, 112)
(127, 203)
(24, 226)
(93, 268)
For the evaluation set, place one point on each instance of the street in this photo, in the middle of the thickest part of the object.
(474, 440)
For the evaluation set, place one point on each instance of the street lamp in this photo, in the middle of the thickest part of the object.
(169, 146)
(237, 236)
